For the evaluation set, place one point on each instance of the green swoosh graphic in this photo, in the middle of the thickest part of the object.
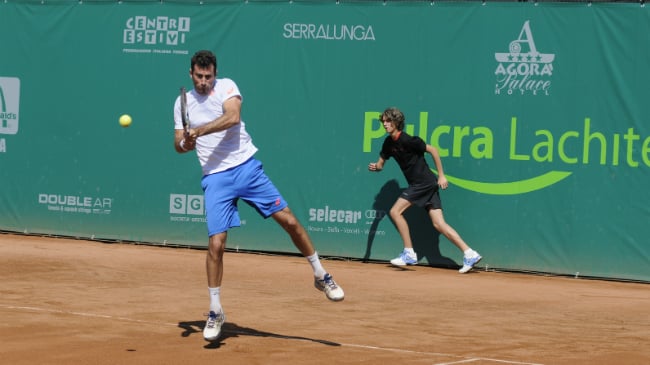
(514, 187)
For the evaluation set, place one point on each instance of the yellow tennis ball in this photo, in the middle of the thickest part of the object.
(125, 120)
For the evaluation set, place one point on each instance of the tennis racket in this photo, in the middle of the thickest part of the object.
(185, 117)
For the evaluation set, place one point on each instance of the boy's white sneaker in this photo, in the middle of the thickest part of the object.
(404, 259)
(469, 262)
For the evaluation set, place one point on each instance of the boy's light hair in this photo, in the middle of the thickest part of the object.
(395, 116)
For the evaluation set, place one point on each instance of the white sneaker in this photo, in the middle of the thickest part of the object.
(213, 325)
(329, 286)
(469, 262)
(404, 259)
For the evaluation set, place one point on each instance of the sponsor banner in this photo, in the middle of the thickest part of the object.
(75, 204)
(186, 208)
(538, 112)
(156, 34)
(523, 69)
(9, 109)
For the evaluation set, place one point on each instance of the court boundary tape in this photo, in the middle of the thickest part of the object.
(83, 314)
(463, 359)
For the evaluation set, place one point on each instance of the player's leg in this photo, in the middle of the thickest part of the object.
(470, 257)
(214, 269)
(322, 280)
(288, 221)
(257, 190)
(221, 215)
(408, 255)
(214, 263)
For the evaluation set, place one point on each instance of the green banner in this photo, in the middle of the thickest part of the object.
(539, 111)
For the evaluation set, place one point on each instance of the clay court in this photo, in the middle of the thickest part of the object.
(66, 301)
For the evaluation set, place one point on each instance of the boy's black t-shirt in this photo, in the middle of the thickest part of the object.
(409, 151)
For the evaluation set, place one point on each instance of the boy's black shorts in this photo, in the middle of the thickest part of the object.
(425, 196)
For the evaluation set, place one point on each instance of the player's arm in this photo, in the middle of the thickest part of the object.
(230, 117)
(442, 180)
(377, 166)
(183, 143)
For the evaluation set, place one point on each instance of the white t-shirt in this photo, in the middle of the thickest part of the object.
(217, 151)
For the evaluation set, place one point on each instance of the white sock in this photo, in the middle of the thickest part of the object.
(410, 250)
(215, 299)
(319, 272)
(469, 253)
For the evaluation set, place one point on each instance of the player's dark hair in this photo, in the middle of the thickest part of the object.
(204, 59)
(395, 116)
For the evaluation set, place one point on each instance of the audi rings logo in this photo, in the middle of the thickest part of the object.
(375, 214)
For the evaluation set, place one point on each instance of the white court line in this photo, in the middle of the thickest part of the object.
(487, 359)
(82, 314)
(465, 359)
(400, 350)
(125, 319)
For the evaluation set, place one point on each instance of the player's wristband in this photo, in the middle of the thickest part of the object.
(182, 145)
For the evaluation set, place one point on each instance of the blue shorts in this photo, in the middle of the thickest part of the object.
(247, 182)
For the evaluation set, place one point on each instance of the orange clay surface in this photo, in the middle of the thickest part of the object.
(66, 301)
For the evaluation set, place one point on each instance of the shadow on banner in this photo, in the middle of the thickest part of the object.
(426, 239)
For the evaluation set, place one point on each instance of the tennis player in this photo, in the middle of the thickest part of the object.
(230, 172)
